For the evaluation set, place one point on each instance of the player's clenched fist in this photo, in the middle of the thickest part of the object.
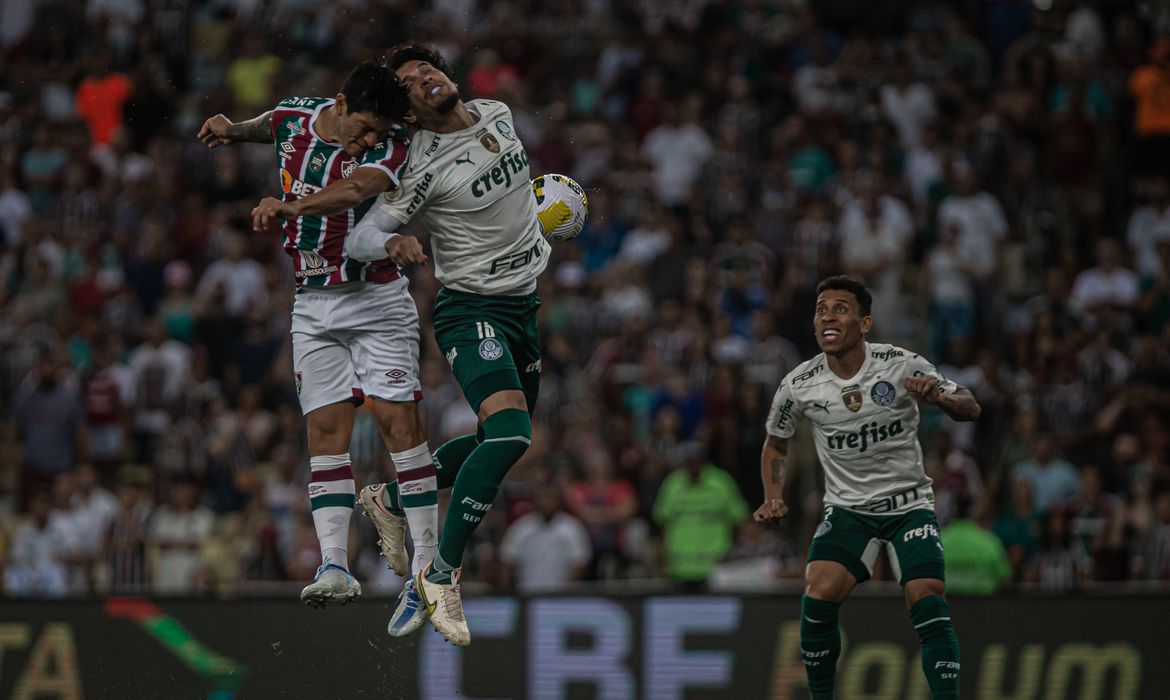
(925, 389)
(268, 210)
(214, 131)
(405, 250)
(773, 509)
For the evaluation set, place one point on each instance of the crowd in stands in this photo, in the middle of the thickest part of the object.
(995, 172)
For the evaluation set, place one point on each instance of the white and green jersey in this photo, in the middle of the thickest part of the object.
(866, 428)
(473, 192)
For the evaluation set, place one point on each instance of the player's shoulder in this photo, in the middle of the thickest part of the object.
(806, 373)
(490, 108)
(887, 354)
(302, 104)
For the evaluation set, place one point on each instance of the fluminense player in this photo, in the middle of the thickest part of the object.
(468, 181)
(862, 400)
(354, 325)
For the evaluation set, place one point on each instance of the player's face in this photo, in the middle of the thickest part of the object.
(361, 131)
(432, 94)
(838, 322)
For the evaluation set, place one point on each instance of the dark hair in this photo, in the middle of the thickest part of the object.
(845, 283)
(404, 53)
(374, 88)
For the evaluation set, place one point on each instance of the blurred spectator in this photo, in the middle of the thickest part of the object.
(160, 368)
(1054, 480)
(1151, 560)
(100, 97)
(175, 539)
(1061, 563)
(1149, 225)
(1018, 526)
(699, 508)
(36, 557)
(252, 77)
(604, 504)
(48, 426)
(1108, 288)
(239, 278)
(677, 150)
(976, 561)
(759, 558)
(125, 545)
(1150, 87)
(546, 549)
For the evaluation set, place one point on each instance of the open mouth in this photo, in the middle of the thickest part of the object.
(435, 90)
(830, 334)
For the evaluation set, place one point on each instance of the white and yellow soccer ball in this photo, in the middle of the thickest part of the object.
(561, 206)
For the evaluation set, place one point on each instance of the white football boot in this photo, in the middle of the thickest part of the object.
(391, 528)
(444, 605)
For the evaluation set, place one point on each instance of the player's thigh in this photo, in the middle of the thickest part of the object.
(847, 538)
(479, 354)
(324, 372)
(828, 580)
(381, 330)
(524, 342)
(915, 548)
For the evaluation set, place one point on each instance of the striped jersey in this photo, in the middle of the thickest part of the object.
(865, 427)
(309, 163)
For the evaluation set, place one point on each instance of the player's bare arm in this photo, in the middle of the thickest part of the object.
(221, 131)
(338, 196)
(959, 404)
(773, 465)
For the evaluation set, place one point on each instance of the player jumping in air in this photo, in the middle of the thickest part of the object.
(354, 325)
(468, 181)
(862, 399)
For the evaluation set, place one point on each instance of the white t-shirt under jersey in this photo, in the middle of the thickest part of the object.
(473, 192)
(866, 427)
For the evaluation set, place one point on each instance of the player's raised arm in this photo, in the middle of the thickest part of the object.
(338, 196)
(376, 238)
(773, 466)
(221, 131)
(959, 403)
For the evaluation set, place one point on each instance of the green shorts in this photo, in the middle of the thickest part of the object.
(853, 540)
(491, 343)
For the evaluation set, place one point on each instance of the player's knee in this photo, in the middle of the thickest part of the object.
(917, 589)
(400, 424)
(510, 430)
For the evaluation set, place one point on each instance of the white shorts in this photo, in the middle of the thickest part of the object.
(351, 344)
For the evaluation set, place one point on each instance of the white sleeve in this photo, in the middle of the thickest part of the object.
(785, 412)
(367, 241)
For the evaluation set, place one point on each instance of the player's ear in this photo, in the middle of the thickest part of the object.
(409, 118)
(340, 104)
(866, 324)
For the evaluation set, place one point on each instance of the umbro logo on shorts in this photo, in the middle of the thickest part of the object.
(397, 376)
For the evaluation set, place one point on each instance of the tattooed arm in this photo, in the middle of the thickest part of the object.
(773, 465)
(220, 131)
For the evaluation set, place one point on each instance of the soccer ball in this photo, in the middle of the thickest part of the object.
(561, 206)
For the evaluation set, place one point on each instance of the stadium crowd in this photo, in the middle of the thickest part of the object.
(995, 172)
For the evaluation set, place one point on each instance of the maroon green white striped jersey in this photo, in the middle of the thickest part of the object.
(309, 163)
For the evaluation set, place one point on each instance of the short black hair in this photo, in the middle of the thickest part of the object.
(374, 88)
(845, 283)
(405, 53)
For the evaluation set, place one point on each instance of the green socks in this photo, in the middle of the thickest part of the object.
(931, 617)
(507, 435)
(820, 644)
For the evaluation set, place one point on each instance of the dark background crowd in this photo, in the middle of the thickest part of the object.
(997, 172)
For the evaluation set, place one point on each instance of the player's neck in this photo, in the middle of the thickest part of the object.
(326, 125)
(847, 363)
(458, 119)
